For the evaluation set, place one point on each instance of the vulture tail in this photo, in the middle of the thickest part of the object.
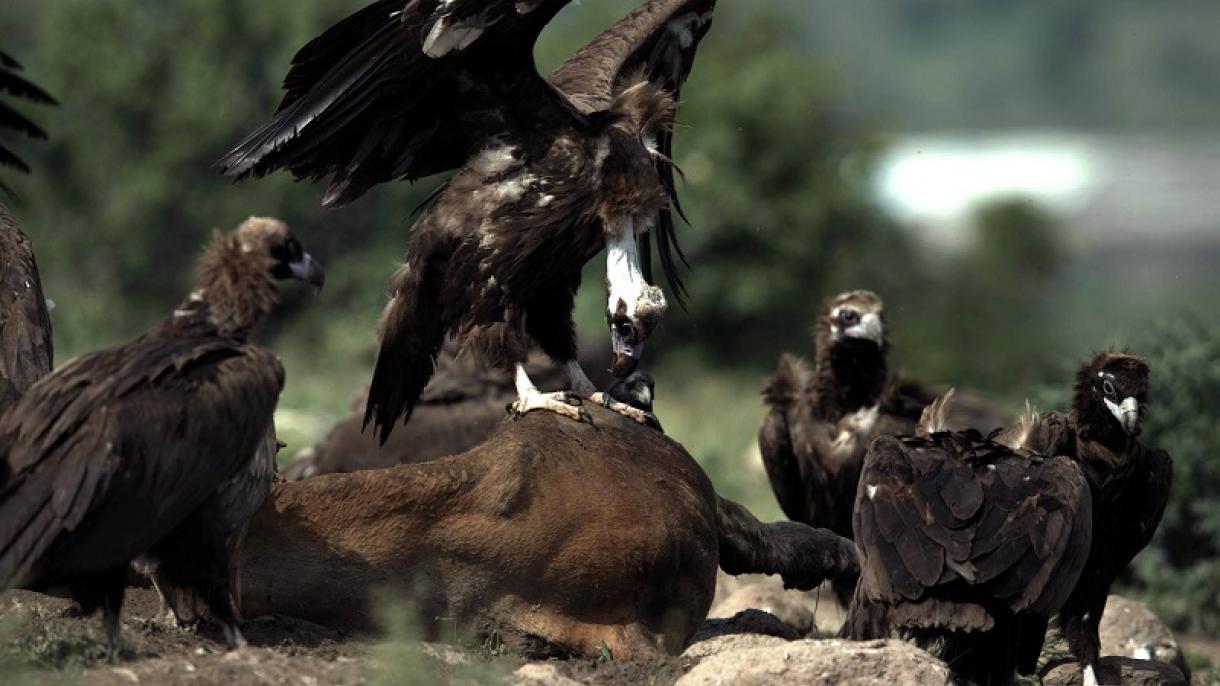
(935, 417)
(411, 335)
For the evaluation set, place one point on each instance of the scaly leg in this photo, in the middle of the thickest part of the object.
(529, 398)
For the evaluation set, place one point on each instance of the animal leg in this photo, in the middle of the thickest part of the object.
(1081, 632)
(104, 590)
(529, 398)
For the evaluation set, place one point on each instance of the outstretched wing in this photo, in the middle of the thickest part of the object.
(26, 347)
(129, 439)
(400, 90)
(13, 121)
(952, 524)
(658, 41)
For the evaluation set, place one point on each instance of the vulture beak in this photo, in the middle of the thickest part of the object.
(869, 328)
(309, 270)
(626, 355)
(1127, 414)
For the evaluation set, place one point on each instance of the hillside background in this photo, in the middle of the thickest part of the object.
(1024, 183)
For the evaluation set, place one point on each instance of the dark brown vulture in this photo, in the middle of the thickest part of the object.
(976, 542)
(26, 348)
(132, 451)
(25, 327)
(1129, 482)
(813, 438)
(551, 172)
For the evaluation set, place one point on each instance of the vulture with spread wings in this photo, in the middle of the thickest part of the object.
(550, 173)
(25, 326)
(146, 449)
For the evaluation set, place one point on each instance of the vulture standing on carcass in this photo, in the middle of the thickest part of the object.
(976, 542)
(132, 451)
(813, 438)
(25, 326)
(551, 172)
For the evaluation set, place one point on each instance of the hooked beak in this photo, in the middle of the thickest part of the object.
(626, 355)
(869, 328)
(309, 270)
(1127, 413)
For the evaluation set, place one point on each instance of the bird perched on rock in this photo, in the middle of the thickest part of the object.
(813, 438)
(1129, 482)
(975, 542)
(26, 348)
(133, 450)
(550, 173)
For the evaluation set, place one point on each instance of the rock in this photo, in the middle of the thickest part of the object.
(1130, 629)
(762, 592)
(541, 674)
(745, 622)
(1115, 670)
(787, 606)
(821, 662)
(729, 642)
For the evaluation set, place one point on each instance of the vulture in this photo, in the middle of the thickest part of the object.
(550, 172)
(976, 542)
(137, 450)
(25, 327)
(813, 437)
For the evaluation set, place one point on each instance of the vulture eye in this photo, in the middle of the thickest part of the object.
(849, 317)
(626, 329)
(1108, 387)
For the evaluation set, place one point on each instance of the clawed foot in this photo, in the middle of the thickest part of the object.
(553, 402)
(626, 410)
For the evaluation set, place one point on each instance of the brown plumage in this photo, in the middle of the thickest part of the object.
(820, 422)
(980, 557)
(127, 451)
(26, 347)
(967, 545)
(550, 175)
(1129, 482)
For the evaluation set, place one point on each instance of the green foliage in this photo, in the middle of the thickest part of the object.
(1180, 572)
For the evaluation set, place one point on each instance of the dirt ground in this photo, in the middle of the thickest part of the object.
(42, 641)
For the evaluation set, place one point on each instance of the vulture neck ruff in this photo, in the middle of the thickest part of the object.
(236, 286)
(849, 373)
(624, 278)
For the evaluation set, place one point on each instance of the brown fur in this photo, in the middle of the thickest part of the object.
(537, 535)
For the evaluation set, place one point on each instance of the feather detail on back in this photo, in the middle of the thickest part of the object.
(935, 417)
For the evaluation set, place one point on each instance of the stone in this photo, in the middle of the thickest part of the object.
(1130, 629)
(811, 662)
(1115, 670)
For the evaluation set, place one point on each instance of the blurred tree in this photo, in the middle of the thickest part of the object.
(1180, 571)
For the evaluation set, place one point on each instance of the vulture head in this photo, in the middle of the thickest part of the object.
(238, 273)
(270, 240)
(638, 391)
(1111, 391)
(852, 318)
(632, 197)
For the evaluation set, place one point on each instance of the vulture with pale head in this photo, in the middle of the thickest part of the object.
(137, 450)
(26, 348)
(973, 543)
(820, 422)
(551, 172)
